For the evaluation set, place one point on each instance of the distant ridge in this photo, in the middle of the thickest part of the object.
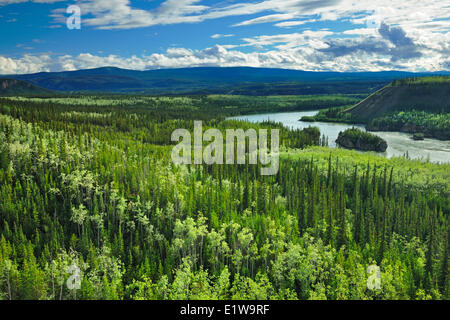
(427, 94)
(13, 87)
(205, 80)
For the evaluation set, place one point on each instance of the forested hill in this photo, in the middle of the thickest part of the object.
(207, 80)
(11, 87)
(430, 94)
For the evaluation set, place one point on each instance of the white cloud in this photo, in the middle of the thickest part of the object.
(218, 36)
(112, 14)
(362, 31)
(120, 14)
(415, 17)
(425, 23)
(416, 37)
(289, 24)
(26, 64)
(288, 40)
(6, 2)
(312, 57)
(265, 19)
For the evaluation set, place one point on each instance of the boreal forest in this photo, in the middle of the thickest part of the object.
(88, 181)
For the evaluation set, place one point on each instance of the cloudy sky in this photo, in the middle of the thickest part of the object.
(314, 35)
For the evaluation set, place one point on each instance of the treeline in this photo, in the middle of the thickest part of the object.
(81, 190)
(238, 105)
(147, 124)
(434, 80)
(431, 125)
(336, 114)
(196, 106)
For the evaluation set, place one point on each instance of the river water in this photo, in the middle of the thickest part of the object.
(398, 143)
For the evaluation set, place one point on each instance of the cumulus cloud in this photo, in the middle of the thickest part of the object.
(26, 64)
(373, 57)
(404, 47)
(393, 42)
(343, 47)
(411, 35)
(290, 40)
(405, 32)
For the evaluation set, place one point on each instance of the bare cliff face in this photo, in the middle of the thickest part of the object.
(7, 83)
(10, 87)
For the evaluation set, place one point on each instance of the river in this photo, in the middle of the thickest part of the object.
(398, 143)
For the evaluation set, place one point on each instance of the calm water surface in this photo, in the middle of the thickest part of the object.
(398, 143)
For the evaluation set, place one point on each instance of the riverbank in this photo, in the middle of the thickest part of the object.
(431, 125)
(399, 144)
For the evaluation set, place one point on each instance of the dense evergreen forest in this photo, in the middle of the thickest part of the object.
(432, 125)
(89, 182)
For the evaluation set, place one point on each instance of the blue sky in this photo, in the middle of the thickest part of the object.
(317, 35)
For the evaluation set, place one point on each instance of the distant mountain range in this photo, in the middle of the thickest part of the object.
(207, 80)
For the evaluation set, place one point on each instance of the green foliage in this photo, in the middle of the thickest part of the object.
(435, 80)
(232, 105)
(355, 138)
(331, 115)
(93, 186)
(429, 124)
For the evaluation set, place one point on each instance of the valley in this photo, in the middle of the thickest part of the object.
(224, 159)
(88, 181)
